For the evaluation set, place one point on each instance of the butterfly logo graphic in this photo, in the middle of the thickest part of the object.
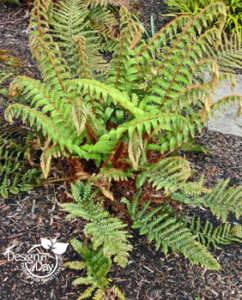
(57, 248)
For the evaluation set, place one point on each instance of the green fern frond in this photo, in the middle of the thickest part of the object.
(53, 67)
(228, 54)
(55, 130)
(189, 146)
(96, 265)
(232, 100)
(38, 19)
(170, 174)
(103, 21)
(102, 229)
(163, 226)
(41, 95)
(147, 123)
(107, 240)
(99, 91)
(222, 234)
(123, 72)
(72, 26)
(221, 201)
(13, 177)
(115, 174)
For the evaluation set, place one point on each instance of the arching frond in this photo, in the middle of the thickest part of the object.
(162, 226)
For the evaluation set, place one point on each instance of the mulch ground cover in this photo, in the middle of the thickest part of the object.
(26, 217)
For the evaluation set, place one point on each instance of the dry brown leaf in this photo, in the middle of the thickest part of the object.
(107, 193)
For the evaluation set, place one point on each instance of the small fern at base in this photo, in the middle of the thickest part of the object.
(97, 267)
(101, 228)
(107, 240)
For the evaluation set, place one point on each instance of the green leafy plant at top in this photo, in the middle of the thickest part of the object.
(128, 124)
(234, 11)
(107, 240)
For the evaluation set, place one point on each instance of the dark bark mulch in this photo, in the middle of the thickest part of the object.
(27, 217)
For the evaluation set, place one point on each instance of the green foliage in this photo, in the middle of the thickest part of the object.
(228, 54)
(222, 234)
(171, 175)
(97, 266)
(192, 7)
(78, 27)
(13, 179)
(220, 201)
(17, 172)
(161, 113)
(162, 225)
(101, 229)
(189, 146)
(95, 3)
(107, 240)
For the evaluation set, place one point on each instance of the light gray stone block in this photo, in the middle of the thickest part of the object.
(227, 123)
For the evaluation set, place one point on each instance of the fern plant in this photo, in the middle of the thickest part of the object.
(101, 228)
(97, 266)
(107, 240)
(128, 124)
(169, 232)
(17, 167)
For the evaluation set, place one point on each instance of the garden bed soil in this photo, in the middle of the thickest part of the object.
(149, 275)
